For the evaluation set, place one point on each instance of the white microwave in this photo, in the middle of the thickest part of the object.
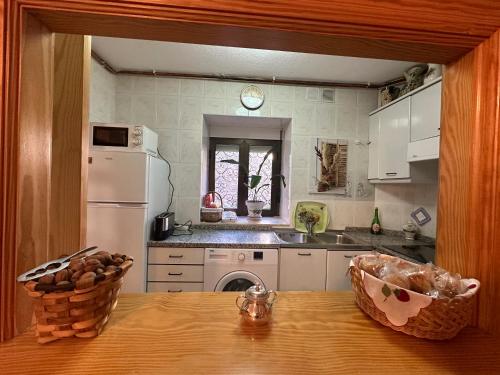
(123, 137)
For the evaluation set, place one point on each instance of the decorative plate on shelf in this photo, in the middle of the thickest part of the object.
(317, 208)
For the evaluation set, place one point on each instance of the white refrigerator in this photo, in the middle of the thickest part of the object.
(126, 190)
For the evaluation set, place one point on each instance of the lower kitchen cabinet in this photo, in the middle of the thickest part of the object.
(175, 269)
(337, 277)
(302, 269)
(174, 287)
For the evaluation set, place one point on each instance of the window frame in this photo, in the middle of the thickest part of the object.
(244, 145)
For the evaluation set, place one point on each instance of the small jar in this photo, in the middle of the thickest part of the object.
(256, 304)
(410, 230)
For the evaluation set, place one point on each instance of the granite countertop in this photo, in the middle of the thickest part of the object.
(265, 238)
(388, 237)
(221, 238)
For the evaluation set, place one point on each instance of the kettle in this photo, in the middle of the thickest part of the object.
(256, 304)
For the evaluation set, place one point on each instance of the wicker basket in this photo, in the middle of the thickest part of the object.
(79, 313)
(212, 215)
(441, 320)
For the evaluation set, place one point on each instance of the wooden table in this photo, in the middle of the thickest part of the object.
(200, 333)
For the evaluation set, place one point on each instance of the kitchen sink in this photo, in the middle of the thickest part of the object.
(295, 237)
(329, 239)
(335, 238)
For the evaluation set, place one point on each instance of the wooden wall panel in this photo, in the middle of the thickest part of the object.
(69, 143)
(35, 138)
(469, 194)
(418, 30)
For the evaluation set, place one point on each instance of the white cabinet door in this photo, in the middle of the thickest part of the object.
(373, 146)
(426, 113)
(337, 277)
(302, 269)
(393, 141)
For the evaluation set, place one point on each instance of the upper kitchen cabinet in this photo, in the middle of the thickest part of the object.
(404, 131)
(426, 113)
(425, 124)
(393, 141)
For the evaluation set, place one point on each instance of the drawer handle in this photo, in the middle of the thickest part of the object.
(176, 256)
(415, 156)
(350, 256)
(369, 143)
(174, 290)
(391, 173)
(305, 254)
(175, 274)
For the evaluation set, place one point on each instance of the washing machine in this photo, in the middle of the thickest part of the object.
(238, 269)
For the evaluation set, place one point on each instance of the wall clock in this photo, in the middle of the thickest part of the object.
(252, 97)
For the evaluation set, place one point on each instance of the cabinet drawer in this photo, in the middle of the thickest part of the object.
(302, 269)
(337, 277)
(175, 287)
(176, 255)
(175, 273)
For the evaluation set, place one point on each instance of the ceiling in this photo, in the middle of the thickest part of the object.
(146, 55)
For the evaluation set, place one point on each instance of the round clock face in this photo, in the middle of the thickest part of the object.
(252, 97)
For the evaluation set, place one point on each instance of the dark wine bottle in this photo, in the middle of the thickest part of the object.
(376, 228)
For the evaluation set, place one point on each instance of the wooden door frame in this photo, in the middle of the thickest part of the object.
(419, 30)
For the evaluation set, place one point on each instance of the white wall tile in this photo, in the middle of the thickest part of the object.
(281, 109)
(168, 86)
(325, 120)
(303, 119)
(191, 116)
(189, 180)
(235, 108)
(144, 110)
(346, 97)
(168, 112)
(192, 87)
(187, 209)
(346, 122)
(144, 85)
(213, 106)
(124, 83)
(215, 89)
(168, 144)
(175, 108)
(282, 93)
(189, 146)
(368, 98)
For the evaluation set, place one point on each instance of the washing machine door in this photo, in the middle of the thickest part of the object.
(237, 281)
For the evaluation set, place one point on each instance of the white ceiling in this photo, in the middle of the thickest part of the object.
(134, 54)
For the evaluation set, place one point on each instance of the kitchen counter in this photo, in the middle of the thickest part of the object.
(221, 238)
(387, 238)
(200, 333)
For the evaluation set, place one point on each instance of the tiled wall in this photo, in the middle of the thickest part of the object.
(397, 201)
(175, 107)
(102, 94)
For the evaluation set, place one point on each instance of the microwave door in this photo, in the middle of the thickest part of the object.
(118, 177)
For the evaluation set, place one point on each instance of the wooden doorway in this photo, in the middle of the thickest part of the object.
(463, 36)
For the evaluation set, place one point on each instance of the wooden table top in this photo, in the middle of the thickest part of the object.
(200, 333)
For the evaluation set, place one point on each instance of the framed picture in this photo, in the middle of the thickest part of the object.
(329, 166)
(421, 216)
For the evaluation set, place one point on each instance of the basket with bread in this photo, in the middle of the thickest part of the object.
(73, 296)
(421, 300)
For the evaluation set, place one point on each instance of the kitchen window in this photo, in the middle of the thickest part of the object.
(229, 179)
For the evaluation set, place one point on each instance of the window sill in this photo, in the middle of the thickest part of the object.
(243, 222)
